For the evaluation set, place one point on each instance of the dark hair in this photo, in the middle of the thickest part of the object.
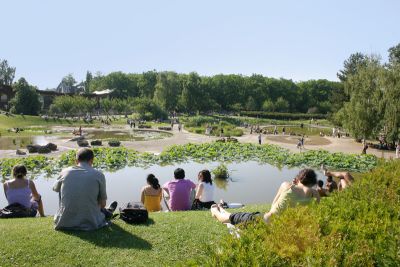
(329, 179)
(84, 154)
(153, 181)
(320, 183)
(19, 171)
(206, 176)
(179, 174)
(307, 177)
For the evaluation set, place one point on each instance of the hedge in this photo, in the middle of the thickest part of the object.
(283, 116)
(357, 227)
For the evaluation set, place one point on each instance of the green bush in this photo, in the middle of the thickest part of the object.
(283, 116)
(357, 227)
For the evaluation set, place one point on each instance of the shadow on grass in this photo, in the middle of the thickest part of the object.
(111, 237)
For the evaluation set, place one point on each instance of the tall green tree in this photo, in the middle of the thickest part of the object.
(362, 114)
(390, 105)
(394, 54)
(351, 65)
(7, 73)
(26, 100)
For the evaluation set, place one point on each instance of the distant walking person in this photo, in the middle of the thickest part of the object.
(259, 139)
(179, 127)
(83, 196)
(398, 150)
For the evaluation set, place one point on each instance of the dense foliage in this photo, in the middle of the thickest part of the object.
(26, 100)
(192, 92)
(283, 116)
(357, 227)
(371, 103)
(117, 158)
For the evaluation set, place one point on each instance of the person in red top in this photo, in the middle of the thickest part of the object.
(179, 191)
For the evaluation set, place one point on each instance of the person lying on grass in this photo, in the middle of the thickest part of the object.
(83, 196)
(23, 191)
(300, 191)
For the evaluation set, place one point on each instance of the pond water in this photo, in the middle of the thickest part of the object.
(16, 142)
(249, 183)
(132, 135)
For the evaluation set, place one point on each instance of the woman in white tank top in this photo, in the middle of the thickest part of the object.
(205, 190)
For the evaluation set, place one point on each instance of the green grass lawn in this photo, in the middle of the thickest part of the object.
(169, 239)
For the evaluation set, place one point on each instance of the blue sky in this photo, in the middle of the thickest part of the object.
(299, 40)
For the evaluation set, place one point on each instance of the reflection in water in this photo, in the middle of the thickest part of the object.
(221, 183)
(250, 183)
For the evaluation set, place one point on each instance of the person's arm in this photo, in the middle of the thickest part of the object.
(284, 186)
(315, 194)
(35, 193)
(199, 191)
(142, 196)
(5, 189)
(37, 197)
(57, 184)
(102, 198)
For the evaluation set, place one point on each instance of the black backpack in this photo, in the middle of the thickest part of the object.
(134, 213)
(15, 210)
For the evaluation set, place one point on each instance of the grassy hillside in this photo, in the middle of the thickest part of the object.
(357, 227)
(169, 239)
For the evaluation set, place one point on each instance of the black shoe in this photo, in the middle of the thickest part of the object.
(112, 207)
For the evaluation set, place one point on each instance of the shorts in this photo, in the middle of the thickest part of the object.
(243, 217)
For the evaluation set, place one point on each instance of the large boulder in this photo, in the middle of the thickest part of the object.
(33, 148)
(44, 150)
(20, 152)
(82, 143)
(51, 146)
(96, 143)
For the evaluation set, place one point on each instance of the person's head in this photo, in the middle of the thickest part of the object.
(307, 177)
(19, 171)
(205, 176)
(329, 179)
(85, 155)
(153, 181)
(179, 174)
(320, 183)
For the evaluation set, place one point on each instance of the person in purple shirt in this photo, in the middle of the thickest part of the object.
(179, 191)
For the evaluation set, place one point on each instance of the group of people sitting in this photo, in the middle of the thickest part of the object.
(83, 196)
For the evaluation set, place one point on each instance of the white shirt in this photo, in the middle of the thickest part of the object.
(208, 192)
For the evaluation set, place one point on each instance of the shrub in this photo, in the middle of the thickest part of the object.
(165, 128)
(283, 116)
(51, 146)
(44, 150)
(357, 227)
(96, 143)
(114, 143)
(221, 172)
(82, 143)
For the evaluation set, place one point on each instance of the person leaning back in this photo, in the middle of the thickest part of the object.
(83, 196)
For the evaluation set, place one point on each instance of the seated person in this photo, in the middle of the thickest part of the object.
(23, 191)
(345, 178)
(321, 190)
(300, 191)
(331, 185)
(83, 196)
(205, 190)
(152, 194)
(179, 191)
